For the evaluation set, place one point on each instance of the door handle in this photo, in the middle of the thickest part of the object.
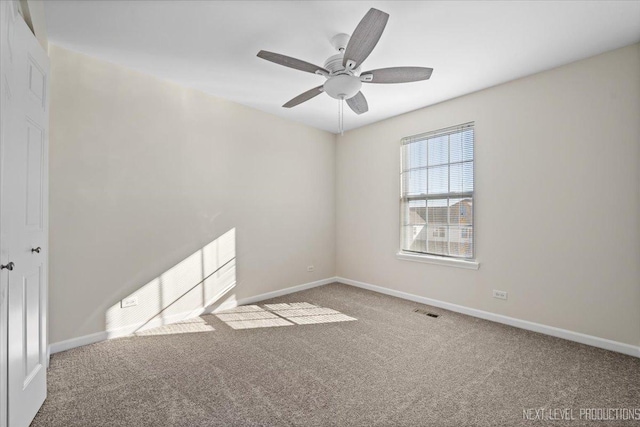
(7, 266)
(36, 250)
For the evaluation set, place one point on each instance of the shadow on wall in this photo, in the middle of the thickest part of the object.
(194, 286)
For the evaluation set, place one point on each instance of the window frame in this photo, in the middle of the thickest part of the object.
(427, 257)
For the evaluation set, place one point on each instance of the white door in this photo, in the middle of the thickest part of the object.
(23, 216)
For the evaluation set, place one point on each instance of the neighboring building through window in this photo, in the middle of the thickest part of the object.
(437, 193)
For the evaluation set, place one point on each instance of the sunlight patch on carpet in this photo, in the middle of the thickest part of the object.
(184, 327)
(273, 315)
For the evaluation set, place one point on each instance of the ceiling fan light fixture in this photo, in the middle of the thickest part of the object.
(342, 86)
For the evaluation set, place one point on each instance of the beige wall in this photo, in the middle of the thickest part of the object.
(557, 199)
(154, 186)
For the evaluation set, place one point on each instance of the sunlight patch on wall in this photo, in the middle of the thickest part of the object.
(181, 292)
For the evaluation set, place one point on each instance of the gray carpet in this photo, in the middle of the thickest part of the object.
(389, 367)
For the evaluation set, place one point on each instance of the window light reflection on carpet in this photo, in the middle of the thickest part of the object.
(281, 314)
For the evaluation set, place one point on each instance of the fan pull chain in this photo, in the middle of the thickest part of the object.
(341, 115)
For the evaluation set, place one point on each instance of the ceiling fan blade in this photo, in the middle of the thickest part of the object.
(396, 75)
(365, 37)
(290, 62)
(358, 103)
(304, 97)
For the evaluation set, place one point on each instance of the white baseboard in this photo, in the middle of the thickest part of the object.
(59, 346)
(606, 344)
(286, 291)
(274, 294)
(130, 329)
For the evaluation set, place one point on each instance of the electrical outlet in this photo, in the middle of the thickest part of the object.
(310, 268)
(129, 302)
(499, 294)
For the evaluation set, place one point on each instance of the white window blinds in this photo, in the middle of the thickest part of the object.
(437, 192)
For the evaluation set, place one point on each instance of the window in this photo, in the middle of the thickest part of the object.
(437, 193)
(439, 232)
(466, 233)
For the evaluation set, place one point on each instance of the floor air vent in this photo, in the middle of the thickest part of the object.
(427, 313)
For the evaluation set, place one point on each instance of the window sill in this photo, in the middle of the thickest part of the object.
(432, 259)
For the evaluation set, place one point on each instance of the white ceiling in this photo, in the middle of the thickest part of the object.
(212, 45)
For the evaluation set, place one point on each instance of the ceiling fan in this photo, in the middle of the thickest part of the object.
(342, 71)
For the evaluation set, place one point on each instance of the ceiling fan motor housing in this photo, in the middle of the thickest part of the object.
(342, 86)
(334, 65)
